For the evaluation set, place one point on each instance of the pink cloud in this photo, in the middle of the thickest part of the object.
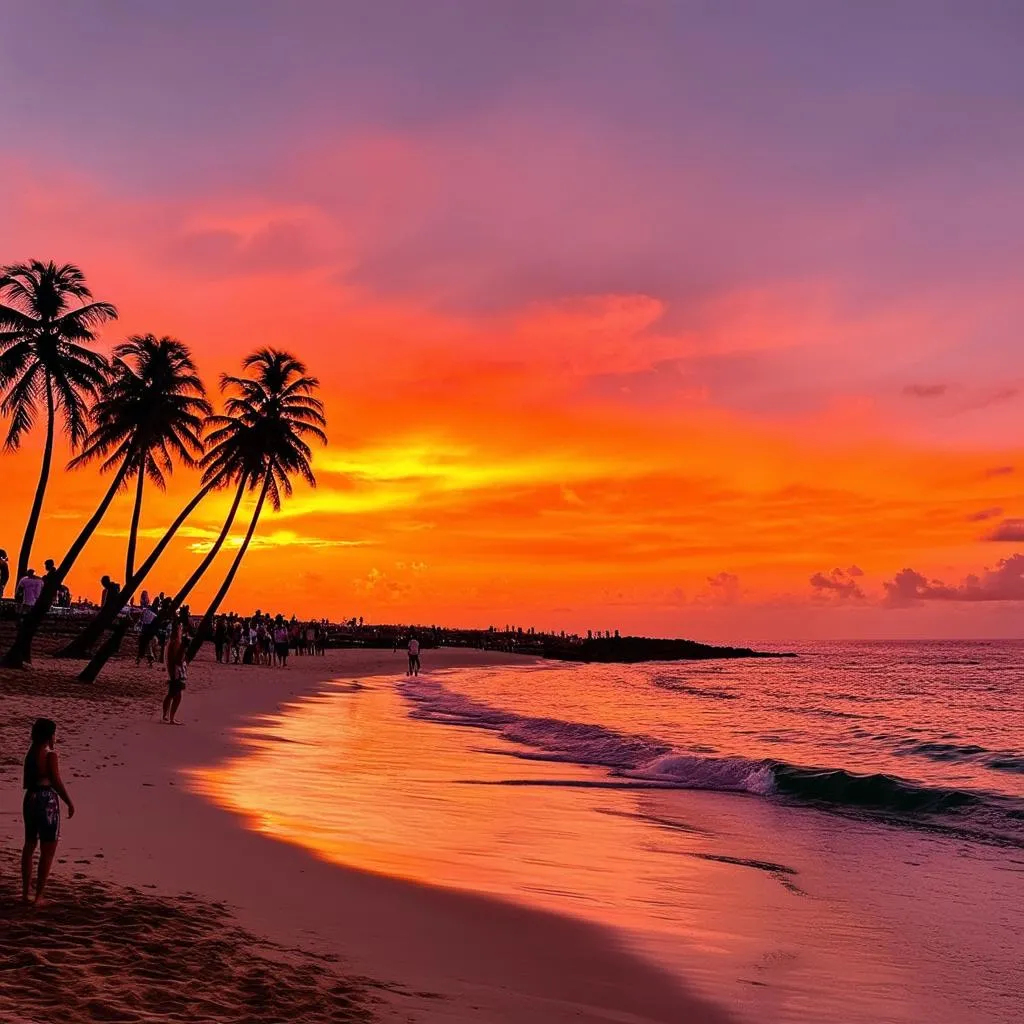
(1003, 583)
(1007, 530)
(841, 582)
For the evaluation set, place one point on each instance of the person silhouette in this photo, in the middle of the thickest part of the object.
(111, 590)
(30, 586)
(177, 673)
(44, 790)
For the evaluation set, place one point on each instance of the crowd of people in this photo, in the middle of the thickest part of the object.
(265, 639)
(30, 586)
(155, 621)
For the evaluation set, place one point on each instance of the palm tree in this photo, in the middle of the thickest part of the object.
(43, 360)
(140, 420)
(272, 412)
(151, 412)
(231, 456)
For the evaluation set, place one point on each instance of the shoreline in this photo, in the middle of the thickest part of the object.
(440, 954)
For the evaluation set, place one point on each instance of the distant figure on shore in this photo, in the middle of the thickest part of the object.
(44, 791)
(163, 633)
(177, 673)
(220, 638)
(111, 590)
(30, 586)
(147, 636)
(414, 657)
(5, 572)
(144, 599)
(51, 570)
(281, 641)
(236, 641)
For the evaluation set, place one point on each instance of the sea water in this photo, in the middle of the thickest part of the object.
(837, 837)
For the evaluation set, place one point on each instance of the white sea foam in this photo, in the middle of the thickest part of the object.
(630, 756)
(645, 759)
(727, 774)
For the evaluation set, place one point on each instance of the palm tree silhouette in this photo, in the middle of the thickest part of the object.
(230, 457)
(270, 414)
(140, 420)
(236, 453)
(43, 359)
(151, 412)
(234, 457)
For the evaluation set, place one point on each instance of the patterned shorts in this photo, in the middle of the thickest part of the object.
(41, 811)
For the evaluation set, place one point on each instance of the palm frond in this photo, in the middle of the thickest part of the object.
(20, 405)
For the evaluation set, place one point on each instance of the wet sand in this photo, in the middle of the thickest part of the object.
(149, 861)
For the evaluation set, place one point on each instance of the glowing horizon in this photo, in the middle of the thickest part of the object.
(660, 320)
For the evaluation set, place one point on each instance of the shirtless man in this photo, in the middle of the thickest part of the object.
(177, 673)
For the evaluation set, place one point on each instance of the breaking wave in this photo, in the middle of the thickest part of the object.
(646, 759)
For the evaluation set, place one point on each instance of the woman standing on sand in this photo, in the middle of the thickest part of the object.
(177, 673)
(281, 641)
(44, 791)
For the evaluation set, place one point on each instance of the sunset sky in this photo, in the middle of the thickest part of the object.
(684, 318)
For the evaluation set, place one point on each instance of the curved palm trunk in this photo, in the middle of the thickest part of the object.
(104, 619)
(133, 530)
(204, 626)
(21, 650)
(107, 650)
(80, 645)
(44, 475)
(189, 584)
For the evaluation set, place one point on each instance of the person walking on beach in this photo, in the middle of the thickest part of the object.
(177, 673)
(5, 572)
(414, 657)
(147, 636)
(44, 790)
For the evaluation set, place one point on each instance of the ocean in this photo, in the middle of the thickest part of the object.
(836, 837)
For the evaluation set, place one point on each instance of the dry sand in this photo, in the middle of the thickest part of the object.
(163, 907)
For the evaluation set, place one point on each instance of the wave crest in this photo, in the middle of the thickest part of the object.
(646, 759)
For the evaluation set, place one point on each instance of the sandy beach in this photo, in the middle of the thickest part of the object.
(164, 907)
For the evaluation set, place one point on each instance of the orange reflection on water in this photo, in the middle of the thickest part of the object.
(351, 777)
